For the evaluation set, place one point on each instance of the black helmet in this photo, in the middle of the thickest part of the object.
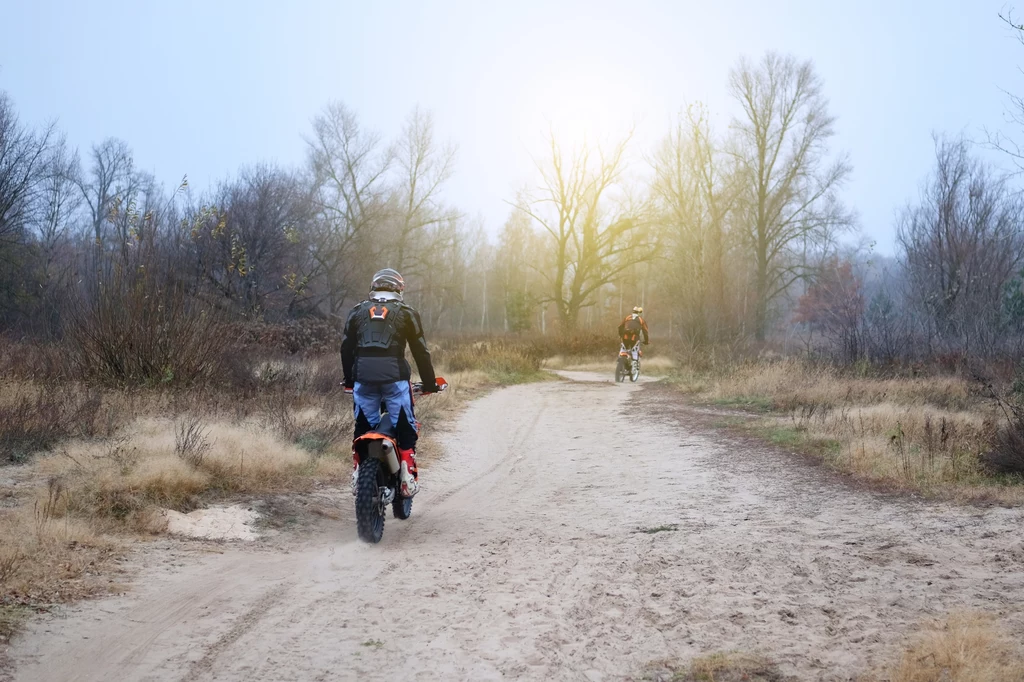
(387, 280)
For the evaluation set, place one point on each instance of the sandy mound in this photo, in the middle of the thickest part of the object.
(216, 523)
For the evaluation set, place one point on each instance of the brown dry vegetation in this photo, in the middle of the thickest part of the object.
(928, 434)
(962, 648)
(719, 667)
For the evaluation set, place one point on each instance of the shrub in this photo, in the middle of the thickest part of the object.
(1006, 454)
(37, 361)
(308, 336)
(32, 420)
(1006, 443)
(316, 430)
(506, 361)
(190, 442)
(133, 331)
(577, 345)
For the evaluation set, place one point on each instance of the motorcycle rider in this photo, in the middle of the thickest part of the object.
(376, 371)
(632, 327)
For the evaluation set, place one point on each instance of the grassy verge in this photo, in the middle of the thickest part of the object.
(929, 435)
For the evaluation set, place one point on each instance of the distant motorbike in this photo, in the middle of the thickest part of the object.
(628, 363)
(375, 483)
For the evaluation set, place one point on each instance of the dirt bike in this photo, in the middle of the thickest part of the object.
(375, 482)
(628, 363)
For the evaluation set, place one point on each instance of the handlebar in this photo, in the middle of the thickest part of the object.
(417, 387)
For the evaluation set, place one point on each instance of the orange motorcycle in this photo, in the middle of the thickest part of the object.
(375, 482)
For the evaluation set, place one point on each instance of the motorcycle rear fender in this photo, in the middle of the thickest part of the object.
(378, 445)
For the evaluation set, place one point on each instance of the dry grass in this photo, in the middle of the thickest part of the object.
(124, 480)
(718, 667)
(790, 384)
(46, 557)
(963, 648)
(729, 667)
(503, 362)
(924, 434)
(34, 418)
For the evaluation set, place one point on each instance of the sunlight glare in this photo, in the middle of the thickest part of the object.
(580, 105)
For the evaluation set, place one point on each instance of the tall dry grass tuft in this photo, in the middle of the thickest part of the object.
(964, 648)
(190, 440)
(319, 428)
(252, 459)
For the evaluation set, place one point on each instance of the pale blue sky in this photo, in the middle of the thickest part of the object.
(205, 87)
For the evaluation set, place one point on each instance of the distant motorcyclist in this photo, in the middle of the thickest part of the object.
(376, 371)
(633, 327)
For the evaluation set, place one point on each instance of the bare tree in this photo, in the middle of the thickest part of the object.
(592, 237)
(112, 167)
(834, 306)
(22, 164)
(423, 167)
(516, 280)
(348, 169)
(60, 203)
(251, 254)
(694, 192)
(961, 244)
(1015, 111)
(789, 186)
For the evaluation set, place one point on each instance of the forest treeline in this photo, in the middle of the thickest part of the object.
(731, 237)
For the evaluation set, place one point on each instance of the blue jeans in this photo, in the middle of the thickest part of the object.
(397, 400)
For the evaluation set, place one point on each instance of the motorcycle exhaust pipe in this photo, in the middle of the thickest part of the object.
(390, 456)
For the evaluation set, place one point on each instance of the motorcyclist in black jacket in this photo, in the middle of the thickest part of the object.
(376, 371)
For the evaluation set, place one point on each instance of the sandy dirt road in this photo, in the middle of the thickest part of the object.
(527, 558)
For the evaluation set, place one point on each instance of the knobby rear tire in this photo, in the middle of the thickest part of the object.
(620, 370)
(402, 507)
(369, 513)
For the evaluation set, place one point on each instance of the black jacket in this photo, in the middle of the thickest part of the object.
(374, 341)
